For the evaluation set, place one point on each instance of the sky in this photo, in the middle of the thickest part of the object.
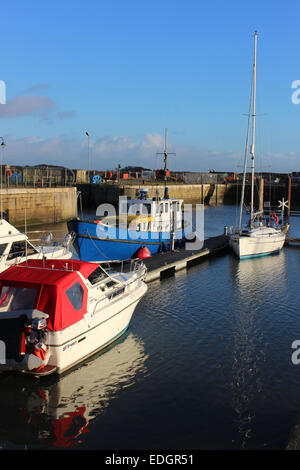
(126, 70)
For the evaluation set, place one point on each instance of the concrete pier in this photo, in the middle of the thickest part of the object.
(166, 264)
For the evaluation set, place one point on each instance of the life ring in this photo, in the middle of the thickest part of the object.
(274, 217)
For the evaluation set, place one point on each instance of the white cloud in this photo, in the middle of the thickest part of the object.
(109, 151)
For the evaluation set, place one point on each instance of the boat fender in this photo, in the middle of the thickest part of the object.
(274, 217)
(144, 253)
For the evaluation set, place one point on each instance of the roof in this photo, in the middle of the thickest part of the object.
(46, 271)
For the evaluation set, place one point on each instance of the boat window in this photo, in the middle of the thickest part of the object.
(110, 283)
(17, 298)
(19, 249)
(97, 275)
(161, 208)
(117, 292)
(2, 248)
(75, 295)
(148, 208)
(166, 207)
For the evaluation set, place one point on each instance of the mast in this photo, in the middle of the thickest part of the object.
(245, 159)
(165, 154)
(252, 150)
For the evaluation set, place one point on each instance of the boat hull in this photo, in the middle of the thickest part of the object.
(249, 247)
(84, 339)
(97, 244)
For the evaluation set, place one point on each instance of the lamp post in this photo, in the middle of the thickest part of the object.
(88, 136)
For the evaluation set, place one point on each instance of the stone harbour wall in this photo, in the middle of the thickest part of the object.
(39, 205)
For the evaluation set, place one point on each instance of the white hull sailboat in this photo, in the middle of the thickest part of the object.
(258, 241)
(260, 237)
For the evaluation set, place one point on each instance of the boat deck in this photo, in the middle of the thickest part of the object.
(165, 264)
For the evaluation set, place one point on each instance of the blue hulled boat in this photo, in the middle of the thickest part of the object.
(155, 224)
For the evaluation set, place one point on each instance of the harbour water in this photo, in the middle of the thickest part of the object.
(206, 364)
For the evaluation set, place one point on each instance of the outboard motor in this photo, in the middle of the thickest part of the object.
(35, 338)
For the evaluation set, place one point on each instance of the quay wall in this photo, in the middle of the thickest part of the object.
(92, 195)
(39, 205)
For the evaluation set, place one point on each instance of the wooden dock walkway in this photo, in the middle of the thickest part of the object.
(292, 241)
(165, 264)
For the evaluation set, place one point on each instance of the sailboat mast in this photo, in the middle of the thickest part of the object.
(252, 150)
(245, 158)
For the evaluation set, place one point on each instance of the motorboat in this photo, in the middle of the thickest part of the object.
(56, 313)
(262, 235)
(15, 246)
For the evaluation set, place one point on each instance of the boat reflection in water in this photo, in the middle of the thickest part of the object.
(252, 279)
(58, 412)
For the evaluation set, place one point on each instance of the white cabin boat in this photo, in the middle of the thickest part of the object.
(15, 247)
(56, 313)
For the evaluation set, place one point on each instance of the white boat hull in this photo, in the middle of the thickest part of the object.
(95, 332)
(247, 246)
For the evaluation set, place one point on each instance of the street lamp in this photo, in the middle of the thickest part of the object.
(88, 136)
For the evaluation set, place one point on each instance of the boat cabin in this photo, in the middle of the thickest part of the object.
(13, 245)
(55, 287)
(156, 214)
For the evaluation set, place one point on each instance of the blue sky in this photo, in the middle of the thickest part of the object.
(126, 70)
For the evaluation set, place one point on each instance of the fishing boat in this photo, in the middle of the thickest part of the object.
(56, 313)
(144, 225)
(262, 235)
(15, 246)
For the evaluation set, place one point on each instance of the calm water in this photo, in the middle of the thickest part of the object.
(206, 364)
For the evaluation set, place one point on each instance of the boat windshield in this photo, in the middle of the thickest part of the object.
(17, 298)
(21, 248)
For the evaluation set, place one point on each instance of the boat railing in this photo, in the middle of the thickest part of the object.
(46, 238)
(124, 266)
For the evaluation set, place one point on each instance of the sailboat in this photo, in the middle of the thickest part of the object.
(260, 237)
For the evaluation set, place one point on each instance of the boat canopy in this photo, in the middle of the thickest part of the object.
(52, 286)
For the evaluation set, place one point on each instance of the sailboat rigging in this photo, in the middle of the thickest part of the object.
(258, 238)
